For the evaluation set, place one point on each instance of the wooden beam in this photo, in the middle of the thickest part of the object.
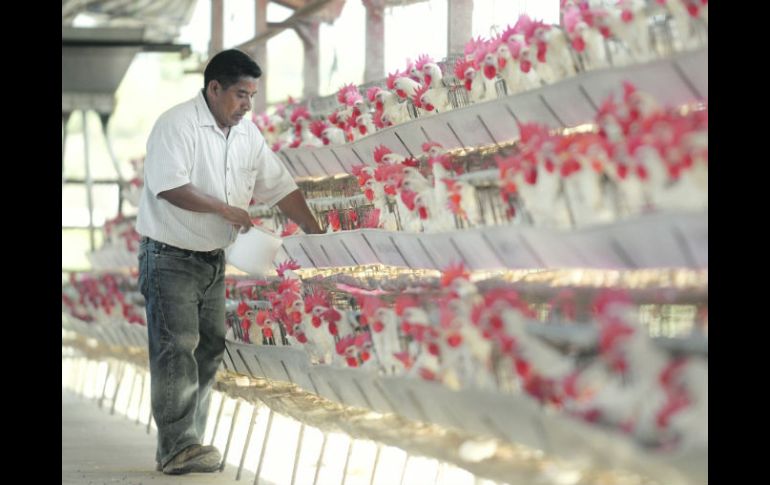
(459, 25)
(259, 53)
(298, 15)
(292, 4)
(76, 181)
(309, 34)
(375, 41)
(217, 27)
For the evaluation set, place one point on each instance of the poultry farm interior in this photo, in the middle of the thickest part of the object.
(513, 279)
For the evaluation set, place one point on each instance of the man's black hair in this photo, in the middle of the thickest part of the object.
(228, 67)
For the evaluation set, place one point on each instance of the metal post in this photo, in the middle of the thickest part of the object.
(376, 462)
(403, 470)
(297, 452)
(374, 68)
(308, 32)
(347, 461)
(117, 387)
(141, 398)
(230, 434)
(264, 446)
(260, 55)
(65, 117)
(320, 459)
(459, 25)
(89, 183)
(105, 119)
(219, 416)
(217, 27)
(248, 440)
(131, 394)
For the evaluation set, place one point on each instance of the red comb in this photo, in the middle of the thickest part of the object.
(299, 112)
(417, 98)
(422, 60)
(380, 151)
(317, 298)
(453, 272)
(430, 144)
(372, 92)
(317, 127)
(343, 92)
(461, 66)
(472, 45)
(391, 83)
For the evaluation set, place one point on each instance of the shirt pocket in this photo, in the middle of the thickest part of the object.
(244, 186)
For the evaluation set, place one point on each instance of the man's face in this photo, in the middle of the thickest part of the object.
(230, 105)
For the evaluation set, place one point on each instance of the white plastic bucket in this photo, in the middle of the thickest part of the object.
(254, 251)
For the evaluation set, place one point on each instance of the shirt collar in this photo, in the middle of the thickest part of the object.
(206, 117)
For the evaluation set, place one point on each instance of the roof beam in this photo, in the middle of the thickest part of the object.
(292, 4)
(217, 26)
(277, 28)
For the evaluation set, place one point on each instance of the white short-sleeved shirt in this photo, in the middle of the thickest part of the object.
(187, 146)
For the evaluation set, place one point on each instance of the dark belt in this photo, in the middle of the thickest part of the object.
(162, 245)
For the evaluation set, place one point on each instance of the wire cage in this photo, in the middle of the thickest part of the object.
(329, 187)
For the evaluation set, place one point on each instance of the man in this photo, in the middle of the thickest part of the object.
(205, 162)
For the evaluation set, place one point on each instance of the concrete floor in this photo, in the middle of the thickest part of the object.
(97, 448)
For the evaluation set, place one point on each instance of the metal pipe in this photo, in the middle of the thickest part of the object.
(264, 447)
(89, 184)
(219, 416)
(320, 459)
(230, 434)
(297, 452)
(248, 440)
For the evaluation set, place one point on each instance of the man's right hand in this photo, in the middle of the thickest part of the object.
(188, 197)
(237, 217)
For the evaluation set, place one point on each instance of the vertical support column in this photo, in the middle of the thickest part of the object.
(347, 460)
(141, 398)
(230, 434)
(259, 54)
(219, 417)
(264, 446)
(65, 117)
(297, 453)
(89, 183)
(376, 462)
(104, 387)
(105, 119)
(248, 440)
(319, 463)
(309, 34)
(375, 40)
(459, 25)
(217, 27)
(131, 392)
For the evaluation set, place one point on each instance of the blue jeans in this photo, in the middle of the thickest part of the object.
(185, 297)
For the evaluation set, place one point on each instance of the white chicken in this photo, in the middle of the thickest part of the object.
(553, 55)
(629, 24)
(432, 100)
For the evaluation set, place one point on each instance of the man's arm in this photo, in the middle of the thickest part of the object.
(296, 209)
(188, 197)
